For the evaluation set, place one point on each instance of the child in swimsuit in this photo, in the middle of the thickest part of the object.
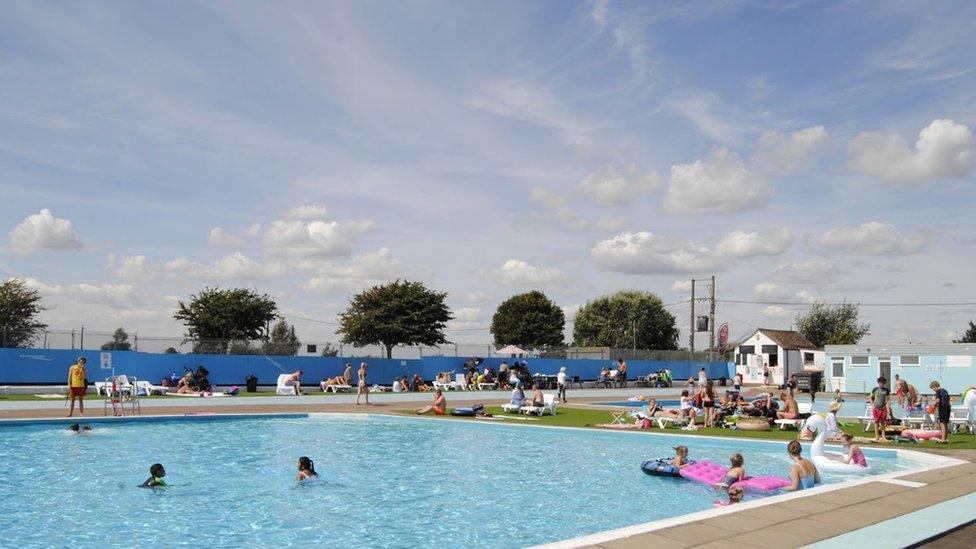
(156, 474)
(854, 453)
(680, 458)
(735, 474)
(306, 469)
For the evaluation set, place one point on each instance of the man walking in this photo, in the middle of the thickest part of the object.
(77, 378)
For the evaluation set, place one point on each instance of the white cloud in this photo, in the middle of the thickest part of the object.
(313, 240)
(775, 311)
(944, 149)
(873, 238)
(646, 253)
(222, 239)
(308, 211)
(539, 106)
(806, 272)
(740, 244)
(519, 273)
(233, 266)
(702, 109)
(43, 232)
(719, 183)
(478, 297)
(359, 272)
(556, 210)
(115, 295)
(681, 286)
(253, 231)
(570, 312)
(612, 186)
(768, 291)
(599, 13)
(780, 153)
(136, 268)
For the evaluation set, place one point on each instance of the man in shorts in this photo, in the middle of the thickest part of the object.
(943, 408)
(881, 403)
(76, 385)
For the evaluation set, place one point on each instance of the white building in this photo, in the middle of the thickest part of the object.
(785, 353)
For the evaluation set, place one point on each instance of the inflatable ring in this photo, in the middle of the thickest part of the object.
(661, 468)
(752, 425)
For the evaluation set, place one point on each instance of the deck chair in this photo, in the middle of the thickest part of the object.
(510, 408)
(443, 385)
(959, 418)
(284, 386)
(459, 382)
(144, 388)
(618, 417)
(548, 406)
(804, 409)
(867, 419)
(329, 387)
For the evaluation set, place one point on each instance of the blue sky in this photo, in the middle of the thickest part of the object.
(796, 150)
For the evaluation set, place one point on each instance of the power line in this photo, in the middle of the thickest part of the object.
(807, 304)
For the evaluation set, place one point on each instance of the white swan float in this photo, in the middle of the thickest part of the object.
(828, 462)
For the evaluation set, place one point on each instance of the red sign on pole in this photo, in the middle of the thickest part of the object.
(723, 335)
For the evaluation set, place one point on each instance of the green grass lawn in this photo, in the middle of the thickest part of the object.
(586, 417)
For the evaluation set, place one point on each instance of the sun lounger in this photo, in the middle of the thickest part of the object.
(548, 405)
(804, 408)
(334, 388)
(663, 422)
(511, 408)
(959, 417)
(867, 419)
(487, 386)
(145, 388)
(443, 385)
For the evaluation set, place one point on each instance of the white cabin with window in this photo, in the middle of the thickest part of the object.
(856, 368)
(782, 352)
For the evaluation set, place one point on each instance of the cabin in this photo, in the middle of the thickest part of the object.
(784, 352)
(856, 368)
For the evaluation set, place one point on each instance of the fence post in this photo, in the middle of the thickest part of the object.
(72, 339)
(45, 339)
(82, 346)
(135, 337)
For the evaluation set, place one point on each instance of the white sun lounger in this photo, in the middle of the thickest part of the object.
(335, 388)
(548, 405)
(149, 388)
(511, 408)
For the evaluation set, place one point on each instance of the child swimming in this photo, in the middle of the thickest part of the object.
(735, 496)
(156, 474)
(79, 430)
(306, 469)
(680, 458)
(735, 474)
(854, 453)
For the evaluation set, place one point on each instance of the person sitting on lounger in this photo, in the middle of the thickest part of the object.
(791, 412)
(294, 380)
(439, 407)
(418, 384)
(518, 396)
(183, 385)
(337, 381)
(687, 409)
(537, 399)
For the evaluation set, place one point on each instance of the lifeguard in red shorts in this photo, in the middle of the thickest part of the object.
(77, 377)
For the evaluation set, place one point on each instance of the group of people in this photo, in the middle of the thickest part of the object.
(345, 380)
(157, 473)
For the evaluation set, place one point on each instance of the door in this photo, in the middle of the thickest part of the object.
(884, 368)
(836, 379)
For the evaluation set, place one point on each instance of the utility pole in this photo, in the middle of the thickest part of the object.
(82, 346)
(711, 320)
(691, 323)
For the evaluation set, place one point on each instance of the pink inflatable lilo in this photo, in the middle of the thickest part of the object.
(921, 434)
(708, 472)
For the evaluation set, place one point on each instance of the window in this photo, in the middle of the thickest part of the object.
(859, 361)
(311, 348)
(738, 360)
(959, 361)
(747, 349)
(773, 360)
(769, 350)
(837, 367)
(808, 358)
(908, 360)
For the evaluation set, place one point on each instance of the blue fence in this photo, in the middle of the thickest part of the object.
(45, 366)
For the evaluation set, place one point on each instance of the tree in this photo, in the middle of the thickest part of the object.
(19, 308)
(396, 313)
(824, 324)
(969, 336)
(626, 319)
(329, 350)
(283, 341)
(528, 320)
(171, 351)
(214, 317)
(120, 342)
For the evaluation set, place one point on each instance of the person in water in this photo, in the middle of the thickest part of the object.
(736, 473)
(803, 474)
(735, 496)
(854, 453)
(79, 430)
(156, 474)
(680, 458)
(306, 469)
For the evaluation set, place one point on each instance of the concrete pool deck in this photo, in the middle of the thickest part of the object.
(789, 520)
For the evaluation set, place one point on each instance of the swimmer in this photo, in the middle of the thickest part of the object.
(735, 496)
(803, 473)
(680, 458)
(79, 430)
(854, 453)
(735, 474)
(156, 474)
(306, 469)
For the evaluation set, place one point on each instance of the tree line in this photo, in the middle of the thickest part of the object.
(242, 321)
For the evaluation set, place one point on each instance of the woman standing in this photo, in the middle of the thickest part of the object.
(708, 403)
(362, 389)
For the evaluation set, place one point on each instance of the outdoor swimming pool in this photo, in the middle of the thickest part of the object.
(387, 482)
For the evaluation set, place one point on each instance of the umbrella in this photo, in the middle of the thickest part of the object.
(511, 350)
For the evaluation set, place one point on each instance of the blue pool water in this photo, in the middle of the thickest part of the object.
(388, 482)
